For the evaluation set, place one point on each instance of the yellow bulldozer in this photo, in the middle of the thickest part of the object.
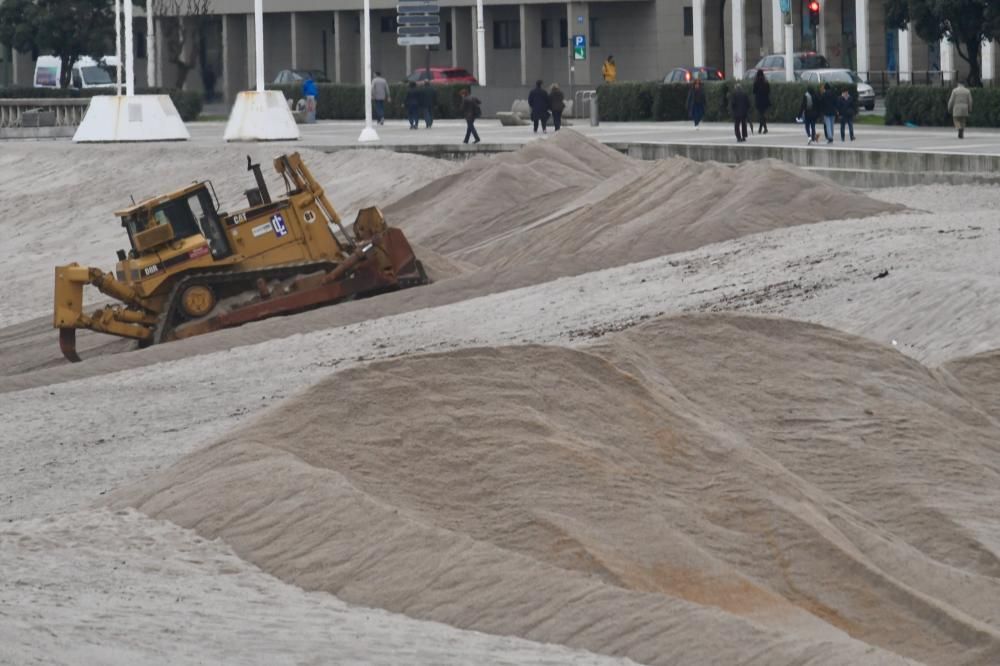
(193, 269)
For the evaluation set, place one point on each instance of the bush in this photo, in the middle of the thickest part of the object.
(346, 101)
(188, 103)
(928, 106)
(668, 101)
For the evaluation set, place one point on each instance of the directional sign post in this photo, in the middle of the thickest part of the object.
(419, 23)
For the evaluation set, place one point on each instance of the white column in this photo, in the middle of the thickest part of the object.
(475, 45)
(739, 40)
(338, 45)
(861, 33)
(295, 40)
(986, 55)
(481, 44)
(777, 28)
(251, 50)
(789, 52)
(454, 37)
(129, 52)
(523, 22)
(150, 47)
(118, 47)
(821, 30)
(905, 55)
(368, 133)
(947, 60)
(698, 28)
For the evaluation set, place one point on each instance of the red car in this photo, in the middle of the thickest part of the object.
(443, 75)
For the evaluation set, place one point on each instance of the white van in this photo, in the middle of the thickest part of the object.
(87, 72)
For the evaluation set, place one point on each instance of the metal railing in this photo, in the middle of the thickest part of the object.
(61, 112)
(882, 81)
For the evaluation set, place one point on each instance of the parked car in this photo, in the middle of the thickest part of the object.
(443, 75)
(86, 72)
(688, 74)
(803, 60)
(296, 75)
(866, 94)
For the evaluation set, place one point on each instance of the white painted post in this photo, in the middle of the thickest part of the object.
(129, 52)
(523, 16)
(986, 55)
(368, 133)
(789, 52)
(698, 28)
(150, 47)
(258, 37)
(454, 36)
(905, 55)
(480, 43)
(118, 47)
(777, 27)
(295, 39)
(947, 60)
(821, 30)
(739, 48)
(861, 35)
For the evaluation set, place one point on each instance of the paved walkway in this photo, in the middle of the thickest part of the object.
(445, 132)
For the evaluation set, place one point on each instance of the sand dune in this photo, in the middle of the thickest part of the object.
(741, 486)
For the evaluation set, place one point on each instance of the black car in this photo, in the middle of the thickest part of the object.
(688, 74)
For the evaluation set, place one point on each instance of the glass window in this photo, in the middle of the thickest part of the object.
(507, 34)
(688, 22)
(95, 76)
(563, 33)
(595, 39)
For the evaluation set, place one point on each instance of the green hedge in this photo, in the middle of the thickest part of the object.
(346, 101)
(928, 106)
(668, 101)
(189, 104)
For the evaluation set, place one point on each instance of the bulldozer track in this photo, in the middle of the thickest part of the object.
(167, 320)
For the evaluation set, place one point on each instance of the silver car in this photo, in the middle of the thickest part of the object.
(866, 94)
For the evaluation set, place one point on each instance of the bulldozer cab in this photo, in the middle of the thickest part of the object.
(185, 213)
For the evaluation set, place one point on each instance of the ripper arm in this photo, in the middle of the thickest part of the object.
(134, 323)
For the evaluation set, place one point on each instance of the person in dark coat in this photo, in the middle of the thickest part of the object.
(809, 112)
(740, 108)
(412, 103)
(428, 98)
(471, 110)
(845, 110)
(557, 104)
(828, 107)
(761, 100)
(696, 102)
(538, 100)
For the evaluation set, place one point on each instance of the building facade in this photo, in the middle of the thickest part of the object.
(531, 40)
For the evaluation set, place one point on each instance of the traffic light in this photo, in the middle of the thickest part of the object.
(813, 13)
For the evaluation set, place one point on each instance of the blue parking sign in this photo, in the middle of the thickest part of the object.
(579, 47)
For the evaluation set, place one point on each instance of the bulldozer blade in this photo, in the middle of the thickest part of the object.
(67, 343)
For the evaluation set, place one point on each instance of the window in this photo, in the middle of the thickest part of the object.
(563, 33)
(546, 34)
(506, 34)
(140, 45)
(595, 40)
(447, 36)
(688, 22)
(388, 23)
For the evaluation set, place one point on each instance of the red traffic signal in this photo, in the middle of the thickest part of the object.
(813, 7)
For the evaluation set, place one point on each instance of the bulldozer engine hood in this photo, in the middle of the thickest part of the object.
(148, 272)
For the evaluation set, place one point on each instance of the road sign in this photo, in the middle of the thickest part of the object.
(418, 19)
(417, 8)
(419, 41)
(579, 47)
(418, 30)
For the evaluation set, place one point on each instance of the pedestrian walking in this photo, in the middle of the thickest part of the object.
(809, 112)
(761, 100)
(845, 110)
(538, 101)
(557, 103)
(428, 98)
(740, 108)
(610, 70)
(380, 96)
(471, 109)
(696, 102)
(412, 103)
(828, 107)
(311, 93)
(960, 106)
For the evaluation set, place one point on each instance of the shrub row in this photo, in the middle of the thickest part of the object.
(668, 101)
(188, 103)
(928, 106)
(346, 101)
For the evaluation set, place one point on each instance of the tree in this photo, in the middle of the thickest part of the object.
(181, 33)
(66, 28)
(965, 23)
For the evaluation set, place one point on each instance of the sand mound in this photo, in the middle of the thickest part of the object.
(711, 489)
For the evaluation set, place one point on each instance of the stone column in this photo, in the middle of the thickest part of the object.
(251, 54)
(986, 55)
(531, 42)
(475, 39)
(294, 37)
(861, 36)
(947, 60)
(906, 55)
(739, 40)
(698, 30)
(338, 45)
(454, 37)
(777, 28)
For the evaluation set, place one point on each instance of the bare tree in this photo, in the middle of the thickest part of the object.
(181, 32)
